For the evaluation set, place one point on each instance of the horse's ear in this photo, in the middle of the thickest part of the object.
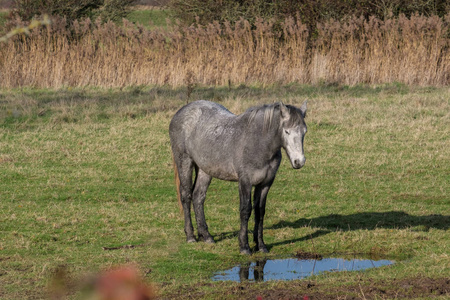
(284, 111)
(303, 108)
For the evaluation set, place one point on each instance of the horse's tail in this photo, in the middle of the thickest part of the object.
(177, 183)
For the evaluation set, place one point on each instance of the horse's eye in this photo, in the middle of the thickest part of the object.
(287, 132)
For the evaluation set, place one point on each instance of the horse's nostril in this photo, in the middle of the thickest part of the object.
(298, 163)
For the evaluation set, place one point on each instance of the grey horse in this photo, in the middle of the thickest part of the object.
(246, 148)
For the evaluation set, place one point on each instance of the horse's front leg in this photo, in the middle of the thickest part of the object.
(245, 208)
(259, 202)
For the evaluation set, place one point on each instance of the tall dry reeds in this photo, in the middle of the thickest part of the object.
(414, 51)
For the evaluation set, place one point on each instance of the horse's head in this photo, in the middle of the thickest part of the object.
(293, 130)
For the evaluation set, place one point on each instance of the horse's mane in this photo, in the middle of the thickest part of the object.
(267, 110)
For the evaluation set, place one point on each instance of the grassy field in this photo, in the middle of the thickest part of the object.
(150, 18)
(84, 169)
(3, 15)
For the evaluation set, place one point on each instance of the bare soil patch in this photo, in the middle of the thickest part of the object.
(408, 288)
(307, 255)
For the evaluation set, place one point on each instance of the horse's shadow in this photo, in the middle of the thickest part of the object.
(357, 221)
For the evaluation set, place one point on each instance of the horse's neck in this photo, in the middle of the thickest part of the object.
(268, 135)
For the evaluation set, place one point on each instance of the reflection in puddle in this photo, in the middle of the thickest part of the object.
(292, 268)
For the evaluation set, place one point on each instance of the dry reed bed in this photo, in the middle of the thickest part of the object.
(414, 51)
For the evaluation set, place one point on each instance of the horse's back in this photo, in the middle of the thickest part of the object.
(207, 132)
(196, 114)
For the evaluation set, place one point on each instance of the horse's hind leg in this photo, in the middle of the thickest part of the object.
(202, 182)
(185, 167)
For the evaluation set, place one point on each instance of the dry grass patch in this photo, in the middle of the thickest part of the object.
(414, 51)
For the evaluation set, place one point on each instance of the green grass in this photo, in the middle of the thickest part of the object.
(150, 18)
(3, 15)
(83, 169)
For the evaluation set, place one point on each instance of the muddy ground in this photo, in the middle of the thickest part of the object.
(408, 288)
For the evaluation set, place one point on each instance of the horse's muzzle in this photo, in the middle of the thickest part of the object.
(298, 163)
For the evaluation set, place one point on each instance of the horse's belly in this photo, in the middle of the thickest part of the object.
(220, 172)
(226, 176)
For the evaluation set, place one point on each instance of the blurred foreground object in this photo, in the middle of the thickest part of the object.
(120, 283)
(26, 29)
(123, 283)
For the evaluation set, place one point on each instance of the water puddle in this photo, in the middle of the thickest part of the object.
(294, 268)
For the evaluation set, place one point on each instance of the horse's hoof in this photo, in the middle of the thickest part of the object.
(208, 239)
(246, 252)
(191, 240)
(263, 250)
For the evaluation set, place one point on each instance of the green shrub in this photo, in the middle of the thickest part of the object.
(71, 10)
(310, 11)
(207, 11)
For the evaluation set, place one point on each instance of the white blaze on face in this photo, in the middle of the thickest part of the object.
(293, 144)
